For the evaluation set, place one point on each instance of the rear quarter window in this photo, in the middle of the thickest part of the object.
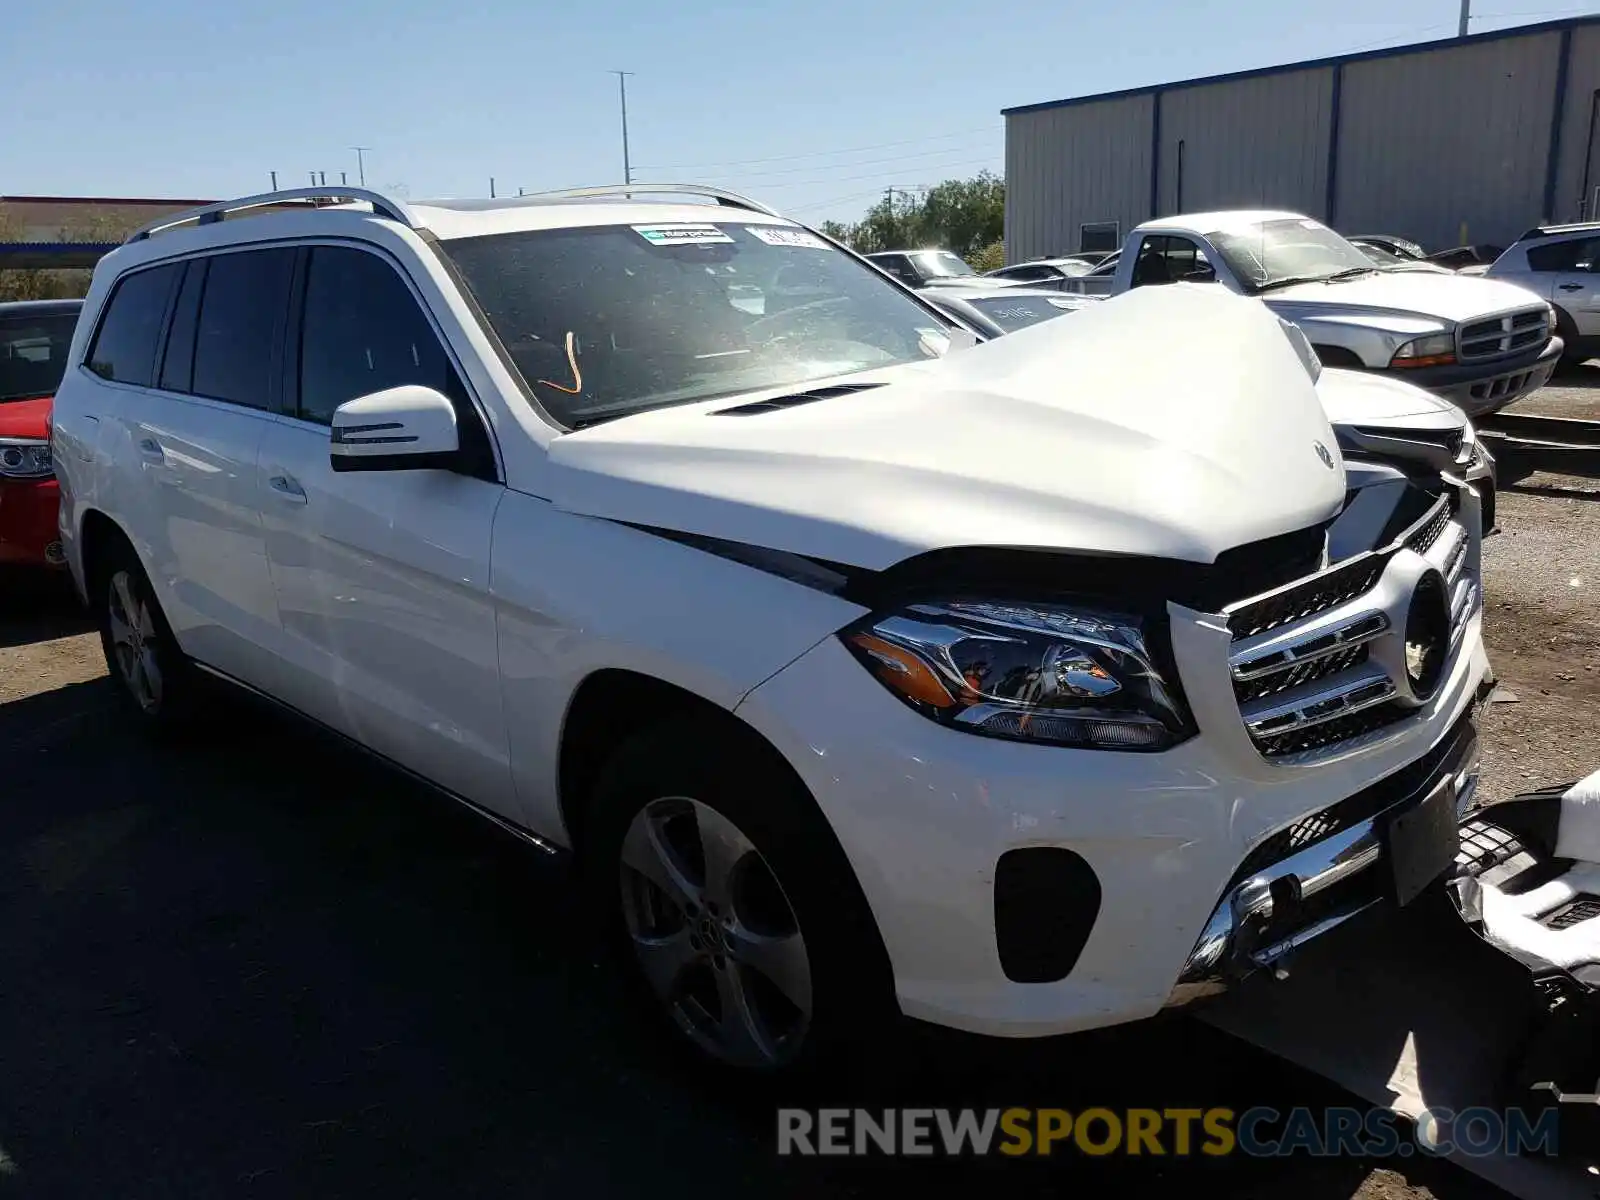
(124, 346)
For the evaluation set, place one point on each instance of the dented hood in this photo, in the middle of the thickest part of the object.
(1171, 422)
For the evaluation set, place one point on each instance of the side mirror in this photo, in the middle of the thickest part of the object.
(407, 428)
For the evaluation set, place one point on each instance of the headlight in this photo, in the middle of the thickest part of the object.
(1435, 350)
(1064, 676)
(25, 458)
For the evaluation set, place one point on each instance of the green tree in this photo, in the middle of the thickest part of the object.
(967, 216)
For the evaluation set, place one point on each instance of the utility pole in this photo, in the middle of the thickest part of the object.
(491, 187)
(344, 176)
(1466, 16)
(274, 175)
(622, 91)
(361, 163)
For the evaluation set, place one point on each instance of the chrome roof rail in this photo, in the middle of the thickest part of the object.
(383, 206)
(720, 195)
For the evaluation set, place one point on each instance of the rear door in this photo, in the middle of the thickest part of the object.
(190, 350)
(382, 578)
(1577, 285)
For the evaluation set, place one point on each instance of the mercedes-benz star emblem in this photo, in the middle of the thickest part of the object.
(1427, 636)
(1322, 453)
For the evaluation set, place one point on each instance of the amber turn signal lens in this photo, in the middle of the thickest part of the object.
(904, 672)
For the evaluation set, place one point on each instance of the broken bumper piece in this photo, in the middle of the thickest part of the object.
(1378, 845)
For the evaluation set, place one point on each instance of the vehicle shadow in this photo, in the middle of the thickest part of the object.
(36, 606)
(258, 965)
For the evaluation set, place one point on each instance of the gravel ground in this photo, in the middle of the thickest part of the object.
(261, 967)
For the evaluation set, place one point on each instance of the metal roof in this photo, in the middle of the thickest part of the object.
(1311, 64)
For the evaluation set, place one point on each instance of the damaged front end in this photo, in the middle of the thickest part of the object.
(1339, 661)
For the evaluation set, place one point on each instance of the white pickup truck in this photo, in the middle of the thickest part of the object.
(1477, 342)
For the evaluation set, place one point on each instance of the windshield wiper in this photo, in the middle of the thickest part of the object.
(1290, 281)
(1351, 273)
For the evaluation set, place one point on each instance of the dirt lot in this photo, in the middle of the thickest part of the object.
(261, 967)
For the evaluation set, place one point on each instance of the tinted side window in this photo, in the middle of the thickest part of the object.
(1556, 256)
(177, 365)
(364, 332)
(242, 311)
(124, 346)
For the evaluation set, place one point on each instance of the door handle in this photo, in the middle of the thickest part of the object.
(1570, 287)
(287, 489)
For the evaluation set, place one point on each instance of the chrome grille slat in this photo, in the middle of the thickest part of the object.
(1305, 678)
(1498, 336)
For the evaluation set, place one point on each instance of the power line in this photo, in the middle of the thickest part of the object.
(822, 153)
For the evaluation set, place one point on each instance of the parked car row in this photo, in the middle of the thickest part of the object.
(1481, 343)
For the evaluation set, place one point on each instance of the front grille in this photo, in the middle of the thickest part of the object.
(1307, 598)
(1506, 385)
(1331, 733)
(1502, 335)
(1300, 674)
(1303, 671)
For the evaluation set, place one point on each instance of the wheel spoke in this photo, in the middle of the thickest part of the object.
(723, 847)
(647, 851)
(664, 960)
(781, 959)
(123, 602)
(150, 672)
(741, 1032)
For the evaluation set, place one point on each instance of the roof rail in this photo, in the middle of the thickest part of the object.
(720, 195)
(383, 205)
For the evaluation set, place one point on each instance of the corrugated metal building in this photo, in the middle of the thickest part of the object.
(1487, 134)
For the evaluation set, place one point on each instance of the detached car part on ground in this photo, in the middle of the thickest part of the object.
(34, 338)
(997, 685)
(1479, 343)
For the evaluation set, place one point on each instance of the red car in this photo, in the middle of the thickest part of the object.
(34, 338)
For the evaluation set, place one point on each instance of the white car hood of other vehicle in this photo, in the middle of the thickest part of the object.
(1369, 398)
(1172, 422)
(1451, 297)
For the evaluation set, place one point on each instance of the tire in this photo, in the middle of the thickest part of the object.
(1572, 353)
(155, 682)
(783, 934)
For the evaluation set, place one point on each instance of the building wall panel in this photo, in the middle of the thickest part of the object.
(1580, 132)
(1435, 141)
(1067, 166)
(1260, 142)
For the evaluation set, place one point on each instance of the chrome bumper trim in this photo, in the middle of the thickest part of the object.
(1234, 942)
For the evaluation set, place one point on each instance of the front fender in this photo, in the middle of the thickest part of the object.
(575, 595)
(1371, 337)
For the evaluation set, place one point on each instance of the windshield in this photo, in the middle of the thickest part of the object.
(942, 264)
(1270, 253)
(1013, 313)
(611, 320)
(33, 354)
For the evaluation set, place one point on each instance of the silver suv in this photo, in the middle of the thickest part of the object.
(1562, 264)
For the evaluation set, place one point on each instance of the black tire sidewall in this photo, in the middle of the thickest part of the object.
(176, 707)
(853, 1008)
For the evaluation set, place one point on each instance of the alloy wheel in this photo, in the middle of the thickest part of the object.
(714, 933)
(134, 641)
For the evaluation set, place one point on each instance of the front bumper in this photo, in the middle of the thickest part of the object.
(925, 815)
(1332, 870)
(1482, 388)
(28, 526)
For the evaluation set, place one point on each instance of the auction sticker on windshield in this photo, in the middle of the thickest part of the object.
(779, 235)
(681, 235)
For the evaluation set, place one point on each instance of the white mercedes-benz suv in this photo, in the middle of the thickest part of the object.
(1020, 686)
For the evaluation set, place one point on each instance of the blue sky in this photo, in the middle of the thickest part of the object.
(815, 108)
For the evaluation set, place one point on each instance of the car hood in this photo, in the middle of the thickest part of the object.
(1366, 398)
(25, 418)
(1450, 297)
(1066, 435)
